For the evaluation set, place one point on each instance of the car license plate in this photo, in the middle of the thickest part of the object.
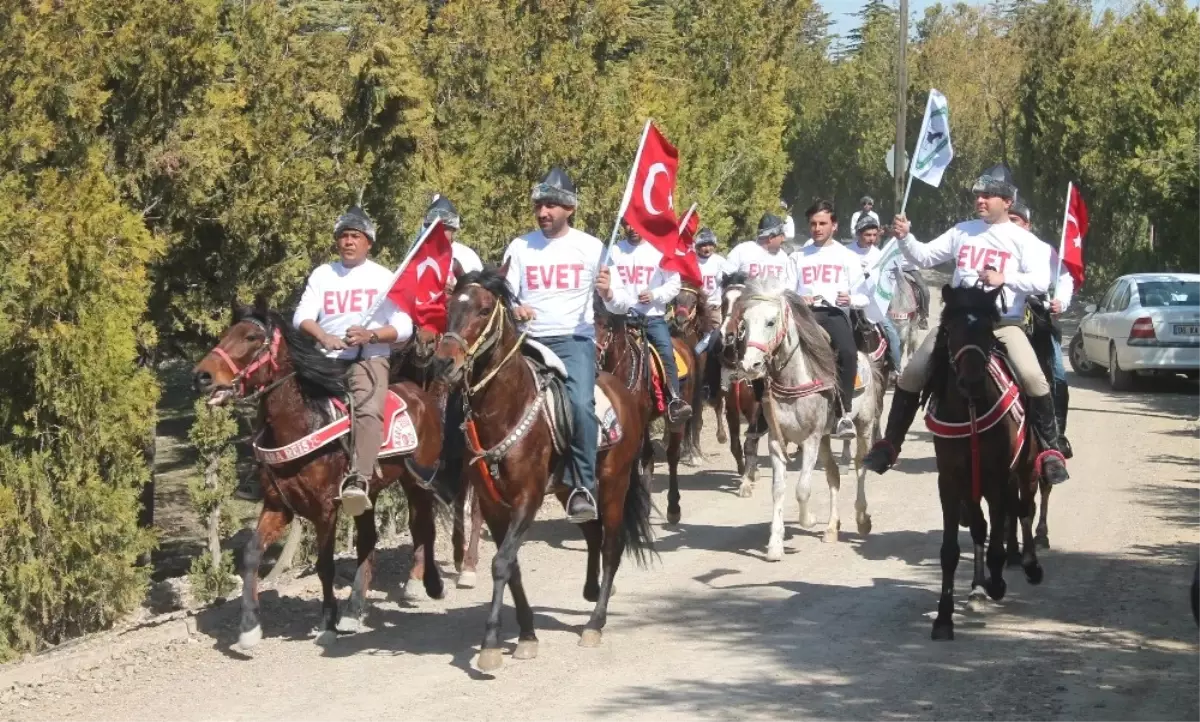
(1187, 329)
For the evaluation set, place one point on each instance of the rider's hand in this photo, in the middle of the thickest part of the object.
(843, 299)
(525, 313)
(1056, 307)
(329, 342)
(991, 277)
(645, 297)
(357, 336)
(900, 226)
(604, 283)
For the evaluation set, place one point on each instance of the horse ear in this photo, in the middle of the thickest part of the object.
(504, 266)
(260, 303)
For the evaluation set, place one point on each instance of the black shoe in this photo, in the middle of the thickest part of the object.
(581, 507)
(1045, 428)
(678, 411)
(1062, 401)
(884, 453)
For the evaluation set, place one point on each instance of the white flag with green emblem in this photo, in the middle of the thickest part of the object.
(934, 150)
(881, 280)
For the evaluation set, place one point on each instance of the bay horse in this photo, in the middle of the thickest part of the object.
(741, 397)
(987, 455)
(690, 317)
(623, 350)
(262, 359)
(785, 347)
(511, 434)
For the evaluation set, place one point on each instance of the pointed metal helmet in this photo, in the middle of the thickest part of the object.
(1019, 209)
(997, 181)
(443, 208)
(770, 225)
(865, 200)
(355, 219)
(556, 187)
(866, 222)
(705, 237)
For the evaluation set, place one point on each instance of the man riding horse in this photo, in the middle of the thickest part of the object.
(639, 265)
(331, 311)
(764, 257)
(710, 263)
(866, 246)
(829, 279)
(996, 253)
(552, 272)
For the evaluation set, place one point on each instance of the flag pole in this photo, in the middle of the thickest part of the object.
(382, 295)
(687, 216)
(912, 164)
(1062, 242)
(901, 100)
(628, 193)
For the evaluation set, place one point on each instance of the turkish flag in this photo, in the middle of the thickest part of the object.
(689, 225)
(1074, 229)
(419, 289)
(686, 262)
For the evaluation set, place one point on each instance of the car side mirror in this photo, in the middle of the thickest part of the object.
(1090, 308)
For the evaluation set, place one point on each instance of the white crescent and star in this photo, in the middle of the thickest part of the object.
(648, 187)
(430, 263)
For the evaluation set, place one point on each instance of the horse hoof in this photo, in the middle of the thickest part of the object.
(489, 660)
(831, 536)
(997, 588)
(775, 553)
(942, 633)
(326, 638)
(590, 638)
(591, 593)
(864, 525)
(1041, 541)
(526, 649)
(746, 491)
(466, 580)
(348, 625)
(673, 516)
(251, 638)
(807, 521)
(1034, 573)
(977, 600)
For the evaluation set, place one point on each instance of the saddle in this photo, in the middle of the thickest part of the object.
(552, 374)
(400, 434)
(1009, 403)
(862, 326)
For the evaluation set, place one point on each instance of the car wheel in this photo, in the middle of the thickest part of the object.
(1079, 361)
(1119, 380)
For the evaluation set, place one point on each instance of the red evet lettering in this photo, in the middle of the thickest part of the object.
(356, 297)
(327, 304)
(560, 276)
(578, 269)
(343, 297)
(980, 258)
(531, 278)
(371, 294)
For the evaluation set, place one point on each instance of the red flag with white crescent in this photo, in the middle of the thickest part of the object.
(420, 289)
(1074, 229)
(649, 207)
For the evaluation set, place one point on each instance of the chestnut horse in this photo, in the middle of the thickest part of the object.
(741, 398)
(516, 460)
(623, 350)
(998, 464)
(690, 318)
(263, 359)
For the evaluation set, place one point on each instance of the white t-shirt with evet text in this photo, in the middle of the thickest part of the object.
(751, 258)
(710, 274)
(336, 297)
(825, 271)
(640, 269)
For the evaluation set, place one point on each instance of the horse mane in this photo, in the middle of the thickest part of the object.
(957, 302)
(319, 376)
(493, 281)
(814, 342)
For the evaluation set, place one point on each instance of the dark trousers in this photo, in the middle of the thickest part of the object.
(837, 325)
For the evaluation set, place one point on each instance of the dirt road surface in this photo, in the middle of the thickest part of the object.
(712, 630)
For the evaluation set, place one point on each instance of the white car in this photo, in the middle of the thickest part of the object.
(1146, 322)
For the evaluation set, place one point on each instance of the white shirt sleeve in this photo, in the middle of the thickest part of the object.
(398, 320)
(732, 263)
(309, 307)
(856, 277)
(515, 274)
(667, 285)
(925, 255)
(623, 298)
(1065, 290)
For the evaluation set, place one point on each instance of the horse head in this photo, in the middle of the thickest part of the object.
(733, 332)
(245, 359)
(685, 310)
(968, 331)
(477, 318)
(764, 317)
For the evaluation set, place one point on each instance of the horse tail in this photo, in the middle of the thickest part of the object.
(637, 535)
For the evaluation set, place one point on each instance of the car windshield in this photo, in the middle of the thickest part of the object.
(1160, 294)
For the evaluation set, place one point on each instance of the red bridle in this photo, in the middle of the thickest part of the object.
(265, 356)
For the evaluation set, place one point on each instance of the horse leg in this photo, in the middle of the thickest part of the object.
(998, 509)
(271, 523)
(979, 532)
(366, 538)
(458, 534)
(943, 625)
(527, 641)
(845, 460)
(833, 477)
(508, 538)
(674, 441)
(861, 517)
(423, 527)
(734, 422)
(1029, 561)
(466, 578)
(1012, 519)
(326, 540)
(808, 462)
(718, 406)
(778, 485)
(1042, 540)
(416, 569)
(612, 547)
(593, 533)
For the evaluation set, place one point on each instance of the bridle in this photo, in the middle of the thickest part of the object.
(266, 355)
(485, 341)
(682, 321)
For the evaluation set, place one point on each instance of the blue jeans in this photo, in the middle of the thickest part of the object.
(1059, 371)
(578, 354)
(660, 336)
(893, 341)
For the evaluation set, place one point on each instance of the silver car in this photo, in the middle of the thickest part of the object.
(1146, 322)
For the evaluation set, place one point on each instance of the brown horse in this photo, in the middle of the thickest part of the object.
(262, 359)
(988, 458)
(690, 318)
(623, 350)
(741, 400)
(511, 433)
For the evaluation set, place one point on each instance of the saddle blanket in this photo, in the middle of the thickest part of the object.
(680, 365)
(610, 426)
(400, 435)
(1008, 403)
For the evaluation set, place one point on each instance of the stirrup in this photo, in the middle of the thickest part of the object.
(584, 517)
(355, 499)
(678, 411)
(1052, 455)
